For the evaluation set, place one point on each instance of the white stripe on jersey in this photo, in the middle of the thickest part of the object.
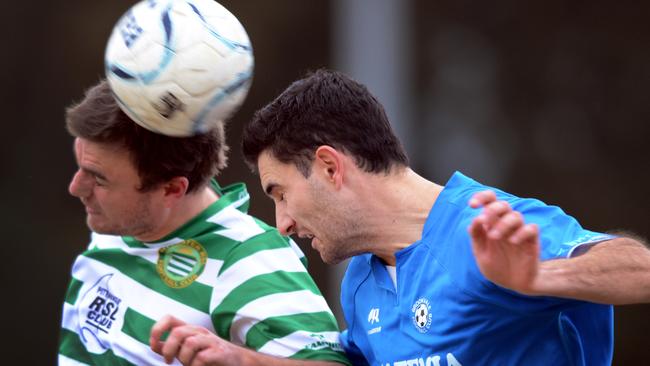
(69, 318)
(238, 225)
(287, 345)
(138, 353)
(280, 304)
(150, 303)
(262, 262)
(65, 361)
(125, 347)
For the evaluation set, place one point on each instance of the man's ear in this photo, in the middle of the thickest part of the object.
(175, 189)
(331, 164)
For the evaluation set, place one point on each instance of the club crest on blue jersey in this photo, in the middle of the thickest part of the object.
(180, 264)
(421, 310)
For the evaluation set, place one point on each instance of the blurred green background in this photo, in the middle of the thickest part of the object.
(549, 99)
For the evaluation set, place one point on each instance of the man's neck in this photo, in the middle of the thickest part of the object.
(185, 209)
(398, 217)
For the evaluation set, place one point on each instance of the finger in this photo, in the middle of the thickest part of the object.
(506, 225)
(527, 234)
(493, 211)
(173, 343)
(190, 347)
(165, 324)
(177, 338)
(482, 198)
(156, 346)
(477, 231)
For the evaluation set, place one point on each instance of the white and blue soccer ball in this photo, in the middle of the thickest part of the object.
(179, 67)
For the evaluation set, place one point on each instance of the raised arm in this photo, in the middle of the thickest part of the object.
(506, 250)
(196, 346)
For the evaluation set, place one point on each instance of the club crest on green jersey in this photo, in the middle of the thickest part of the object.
(180, 264)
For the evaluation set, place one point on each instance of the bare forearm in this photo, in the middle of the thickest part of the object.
(614, 272)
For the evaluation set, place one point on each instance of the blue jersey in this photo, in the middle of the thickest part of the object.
(444, 312)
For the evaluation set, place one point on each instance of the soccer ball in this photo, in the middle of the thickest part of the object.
(179, 67)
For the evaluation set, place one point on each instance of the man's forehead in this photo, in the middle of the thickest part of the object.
(267, 163)
(265, 168)
(272, 172)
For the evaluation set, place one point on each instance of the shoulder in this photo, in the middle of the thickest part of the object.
(358, 270)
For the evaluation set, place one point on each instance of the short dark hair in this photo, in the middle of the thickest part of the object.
(157, 158)
(324, 108)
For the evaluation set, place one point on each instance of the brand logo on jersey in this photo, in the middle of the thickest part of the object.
(373, 316)
(422, 315)
(99, 313)
(322, 343)
(180, 264)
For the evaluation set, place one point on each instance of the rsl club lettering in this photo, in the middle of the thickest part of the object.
(102, 310)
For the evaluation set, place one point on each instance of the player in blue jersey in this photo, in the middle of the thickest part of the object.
(460, 274)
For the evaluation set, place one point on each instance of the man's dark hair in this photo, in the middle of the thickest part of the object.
(157, 158)
(324, 108)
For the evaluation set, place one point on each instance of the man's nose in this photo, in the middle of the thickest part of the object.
(284, 222)
(80, 185)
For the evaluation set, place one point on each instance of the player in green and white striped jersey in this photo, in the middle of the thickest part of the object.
(167, 240)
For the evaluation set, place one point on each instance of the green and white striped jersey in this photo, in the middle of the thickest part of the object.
(223, 270)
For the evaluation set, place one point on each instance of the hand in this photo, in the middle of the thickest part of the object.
(505, 248)
(192, 345)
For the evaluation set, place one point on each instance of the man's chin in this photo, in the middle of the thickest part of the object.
(331, 259)
(97, 227)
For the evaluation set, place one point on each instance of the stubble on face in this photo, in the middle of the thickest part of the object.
(136, 219)
(340, 225)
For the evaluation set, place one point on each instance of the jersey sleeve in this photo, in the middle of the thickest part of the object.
(265, 299)
(560, 237)
(351, 350)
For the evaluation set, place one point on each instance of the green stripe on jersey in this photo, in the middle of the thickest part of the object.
(196, 295)
(220, 251)
(72, 347)
(259, 335)
(137, 326)
(256, 287)
(73, 291)
(264, 241)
